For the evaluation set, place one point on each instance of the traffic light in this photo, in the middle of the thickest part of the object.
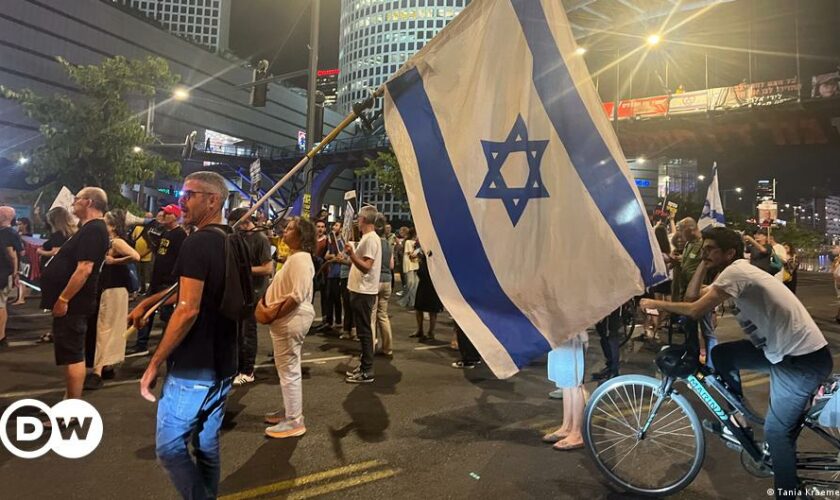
(259, 91)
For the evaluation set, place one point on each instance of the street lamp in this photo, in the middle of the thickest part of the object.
(653, 39)
(181, 94)
(701, 177)
(137, 149)
(23, 161)
(738, 190)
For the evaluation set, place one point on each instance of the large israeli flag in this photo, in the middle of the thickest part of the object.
(712, 214)
(520, 192)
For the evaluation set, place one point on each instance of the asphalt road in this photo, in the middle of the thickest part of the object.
(422, 430)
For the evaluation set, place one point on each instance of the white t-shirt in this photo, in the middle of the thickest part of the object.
(369, 247)
(769, 313)
(409, 265)
(293, 280)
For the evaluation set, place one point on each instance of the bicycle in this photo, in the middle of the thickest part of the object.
(647, 439)
(628, 312)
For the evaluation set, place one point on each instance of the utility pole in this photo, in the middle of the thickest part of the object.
(311, 89)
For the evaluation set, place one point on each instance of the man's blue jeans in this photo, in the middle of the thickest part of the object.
(191, 410)
(707, 328)
(793, 381)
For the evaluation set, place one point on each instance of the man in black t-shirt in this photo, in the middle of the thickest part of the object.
(760, 251)
(261, 267)
(199, 346)
(9, 245)
(68, 285)
(168, 249)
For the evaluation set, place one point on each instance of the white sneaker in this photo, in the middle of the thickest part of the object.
(275, 417)
(287, 428)
(243, 379)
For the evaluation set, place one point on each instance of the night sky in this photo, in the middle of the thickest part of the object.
(278, 30)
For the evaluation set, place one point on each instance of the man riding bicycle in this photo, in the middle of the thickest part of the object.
(783, 340)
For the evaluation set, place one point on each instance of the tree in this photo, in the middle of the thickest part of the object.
(804, 240)
(386, 170)
(91, 140)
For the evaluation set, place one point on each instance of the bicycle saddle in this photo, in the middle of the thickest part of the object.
(677, 361)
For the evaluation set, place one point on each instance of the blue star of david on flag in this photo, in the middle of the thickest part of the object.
(515, 199)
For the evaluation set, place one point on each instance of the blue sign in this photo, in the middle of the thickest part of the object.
(642, 183)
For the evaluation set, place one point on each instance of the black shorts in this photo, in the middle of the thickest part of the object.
(69, 338)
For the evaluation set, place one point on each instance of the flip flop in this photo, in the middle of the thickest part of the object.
(559, 446)
(553, 437)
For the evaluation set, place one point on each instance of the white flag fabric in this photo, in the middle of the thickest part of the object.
(523, 201)
(712, 214)
(65, 199)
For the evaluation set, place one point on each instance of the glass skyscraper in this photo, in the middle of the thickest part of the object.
(378, 36)
(205, 22)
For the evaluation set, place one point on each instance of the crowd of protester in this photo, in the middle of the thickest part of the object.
(94, 266)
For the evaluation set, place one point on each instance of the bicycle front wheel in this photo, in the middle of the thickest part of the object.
(663, 461)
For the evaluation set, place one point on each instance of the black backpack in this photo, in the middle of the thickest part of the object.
(238, 299)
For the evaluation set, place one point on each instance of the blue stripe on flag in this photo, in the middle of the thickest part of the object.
(455, 228)
(606, 183)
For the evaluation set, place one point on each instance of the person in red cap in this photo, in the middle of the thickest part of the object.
(162, 278)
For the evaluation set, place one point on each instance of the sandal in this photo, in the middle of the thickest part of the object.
(563, 446)
(554, 437)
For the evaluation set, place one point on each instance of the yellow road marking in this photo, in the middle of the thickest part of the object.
(303, 480)
(343, 484)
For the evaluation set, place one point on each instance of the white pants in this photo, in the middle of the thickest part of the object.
(287, 336)
(110, 327)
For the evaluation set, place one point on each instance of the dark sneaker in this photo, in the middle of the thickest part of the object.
(353, 372)
(359, 378)
(601, 375)
(108, 373)
(4, 343)
(463, 365)
(93, 382)
(134, 352)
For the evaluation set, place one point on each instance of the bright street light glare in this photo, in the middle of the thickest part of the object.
(653, 39)
(701, 177)
(23, 160)
(137, 149)
(641, 160)
(738, 190)
(180, 94)
(580, 51)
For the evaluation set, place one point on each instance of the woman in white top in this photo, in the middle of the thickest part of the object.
(410, 266)
(287, 308)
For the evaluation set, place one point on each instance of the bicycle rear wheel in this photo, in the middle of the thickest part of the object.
(670, 455)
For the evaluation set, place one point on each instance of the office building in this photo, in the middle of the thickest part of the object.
(204, 22)
(377, 37)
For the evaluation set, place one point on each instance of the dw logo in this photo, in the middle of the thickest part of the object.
(76, 429)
